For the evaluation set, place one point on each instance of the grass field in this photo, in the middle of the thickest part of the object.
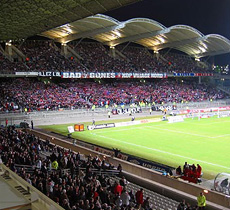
(206, 142)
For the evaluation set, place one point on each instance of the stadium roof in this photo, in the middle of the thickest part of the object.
(22, 18)
(143, 31)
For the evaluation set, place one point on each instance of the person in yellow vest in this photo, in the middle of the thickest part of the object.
(109, 114)
(55, 165)
(93, 107)
(25, 110)
(201, 201)
(106, 106)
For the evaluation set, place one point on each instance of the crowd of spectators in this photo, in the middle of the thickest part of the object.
(15, 94)
(46, 56)
(42, 56)
(183, 64)
(100, 59)
(79, 187)
(7, 66)
(144, 61)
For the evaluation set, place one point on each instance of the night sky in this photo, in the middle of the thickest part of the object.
(208, 16)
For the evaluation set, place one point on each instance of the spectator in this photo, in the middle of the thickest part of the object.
(201, 201)
(117, 188)
(182, 205)
(125, 197)
(139, 196)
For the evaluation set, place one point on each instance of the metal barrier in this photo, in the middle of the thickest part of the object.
(16, 118)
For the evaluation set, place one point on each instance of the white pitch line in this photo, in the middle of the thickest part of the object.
(209, 137)
(161, 151)
(193, 123)
(125, 129)
(175, 131)
(214, 137)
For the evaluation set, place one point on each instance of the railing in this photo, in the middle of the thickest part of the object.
(16, 118)
(43, 201)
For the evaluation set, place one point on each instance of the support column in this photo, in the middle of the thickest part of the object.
(200, 80)
(9, 51)
(113, 52)
(64, 50)
(156, 54)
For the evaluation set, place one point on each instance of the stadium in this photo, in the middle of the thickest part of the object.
(105, 111)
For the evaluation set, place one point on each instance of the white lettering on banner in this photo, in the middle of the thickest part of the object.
(212, 109)
(78, 75)
(101, 126)
(121, 124)
(102, 75)
(141, 75)
(58, 74)
(72, 75)
(49, 74)
(175, 119)
(127, 75)
(126, 111)
(65, 75)
(92, 75)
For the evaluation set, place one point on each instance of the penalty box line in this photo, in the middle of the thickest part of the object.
(192, 134)
(165, 129)
(161, 151)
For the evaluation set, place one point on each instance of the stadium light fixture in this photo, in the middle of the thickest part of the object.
(202, 49)
(197, 59)
(205, 191)
(161, 39)
(156, 51)
(117, 33)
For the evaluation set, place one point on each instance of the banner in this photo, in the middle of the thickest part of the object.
(26, 73)
(130, 110)
(111, 75)
(70, 129)
(137, 122)
(174, 119)
(151, 165)
(101, 126)
(192, 74)
(211, 109)
(161, 108)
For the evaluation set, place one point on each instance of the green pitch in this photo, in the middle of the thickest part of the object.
(206, 142)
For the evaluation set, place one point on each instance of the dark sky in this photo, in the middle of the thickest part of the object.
(208, 16)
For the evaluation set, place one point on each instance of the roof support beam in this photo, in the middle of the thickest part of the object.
(85, 34)
(137, 37)
(178, 43)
